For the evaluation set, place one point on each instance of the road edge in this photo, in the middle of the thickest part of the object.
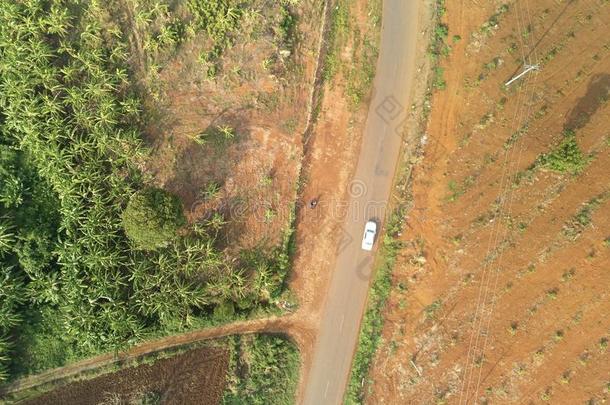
(400, 202)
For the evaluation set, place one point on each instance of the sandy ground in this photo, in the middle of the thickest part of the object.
(501, 294)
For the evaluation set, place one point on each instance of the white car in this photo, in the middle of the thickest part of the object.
(370, 230)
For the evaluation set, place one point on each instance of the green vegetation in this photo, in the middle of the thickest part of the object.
(439, 81)
(372, 323)
(360, 76)
(566, 157)
(438, 46)
(432, 310)
(568, 275)
(75, 209)
(515, 136)
(152, 218)
(264, 370)
(221, 20)
(576, 225)
(163, 25)
(337, 34)
(493, 21)
(489, 67)
(441, 30)
(603, 344)
(220, 136)
(559, 335)
(456, 190)
(360, 71)
(552, 293)
(514, 327)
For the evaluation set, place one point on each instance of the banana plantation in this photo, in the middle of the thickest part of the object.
(72, 283)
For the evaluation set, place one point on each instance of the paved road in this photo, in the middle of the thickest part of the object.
(345, 303)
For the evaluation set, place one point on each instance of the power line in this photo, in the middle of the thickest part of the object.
(527, 69)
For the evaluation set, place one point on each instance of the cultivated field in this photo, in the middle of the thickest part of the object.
(500, 294)
(253, 369)
(195, 377)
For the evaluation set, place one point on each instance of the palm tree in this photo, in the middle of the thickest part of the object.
(5, 358)
(226, 131)
(11, 297)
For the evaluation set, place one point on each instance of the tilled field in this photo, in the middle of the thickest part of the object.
(195, 377)
(501, 293)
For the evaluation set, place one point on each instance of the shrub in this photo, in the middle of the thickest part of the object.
(224, 311)
(265, 371)
(567, 157)
(152, 218)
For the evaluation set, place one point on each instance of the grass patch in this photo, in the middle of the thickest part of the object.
(220, 136)
(515, 136)
(432, 310)
(439, 82)
(577, 224)
(438, 46)
(492, 23)
(372, 323)
(220, 19)
(359, 71)
(567, 157)
(366, 52)
(456, 190)
(263, 370)
(337, 35)
(489, 67)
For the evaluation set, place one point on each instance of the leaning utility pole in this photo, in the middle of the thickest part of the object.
(528, 68)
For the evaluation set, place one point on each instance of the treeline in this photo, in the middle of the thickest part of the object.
(72, 282)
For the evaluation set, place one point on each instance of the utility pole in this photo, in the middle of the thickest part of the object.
(527, 69)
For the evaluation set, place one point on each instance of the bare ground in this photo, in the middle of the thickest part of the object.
(500, 295)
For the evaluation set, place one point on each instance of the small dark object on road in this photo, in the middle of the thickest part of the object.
(313, 203)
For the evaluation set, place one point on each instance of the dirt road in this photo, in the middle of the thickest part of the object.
(369, 192)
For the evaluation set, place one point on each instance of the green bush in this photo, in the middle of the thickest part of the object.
(224, 311)
(152, 218)
(264, 371)
(566, 157)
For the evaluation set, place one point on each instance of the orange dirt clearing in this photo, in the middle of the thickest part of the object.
(501, 293)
